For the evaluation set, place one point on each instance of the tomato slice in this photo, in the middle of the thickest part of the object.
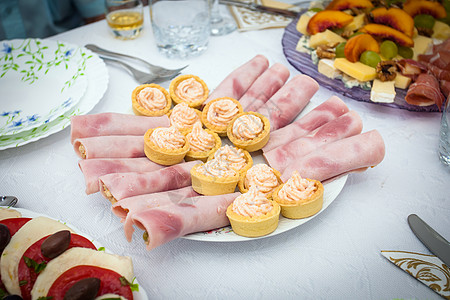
(28, 276)
(14, 224)
(110, 282)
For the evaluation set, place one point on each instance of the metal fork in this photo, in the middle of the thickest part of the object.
(142, 77)
(157, 70)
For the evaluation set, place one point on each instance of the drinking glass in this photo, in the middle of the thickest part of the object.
(444, 135)
(125, 18)
(181, 27)
(220, 25)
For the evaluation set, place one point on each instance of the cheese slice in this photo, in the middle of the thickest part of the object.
(441, 31)
(356, 24)
(382, 91)
(302, 24)
(6, 213)
(356, 70)
(327, 68)
(421, 45)
(401, 81)
(327, 37)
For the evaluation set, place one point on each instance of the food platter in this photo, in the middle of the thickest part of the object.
(303, 63)
(140, 295)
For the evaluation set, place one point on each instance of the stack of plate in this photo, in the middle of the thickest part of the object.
(43, 83)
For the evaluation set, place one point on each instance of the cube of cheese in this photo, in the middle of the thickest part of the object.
(356, 24)
(324, 38)
(302, 23)
(382, 91)
(401, 81)
(356, 70)
(326, 67)
(441, 31)
(421, 45)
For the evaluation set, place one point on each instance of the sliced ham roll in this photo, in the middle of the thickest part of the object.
(239, 80)
(425, 91)
(325, 112)
(264, 87)
(127, 207)
(117, 186)
(166, 223)
(94, 168)
(344, 126)
(352, 154)
(113, 124)
(112, 146)
(283, 107)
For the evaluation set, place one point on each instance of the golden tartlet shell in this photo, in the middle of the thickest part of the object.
(256, 143)
(248, 159)
(244, 189)
(254, 226)
(142, 111)
(203, 156)
(211, 185)
(185, 130)
(304, 208)
(174, 84)
(166, 157)
(220, 130)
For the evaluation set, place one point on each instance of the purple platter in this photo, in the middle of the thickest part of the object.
(303, 63)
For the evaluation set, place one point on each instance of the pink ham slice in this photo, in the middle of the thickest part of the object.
(113, 146)
(325, 112)
(239, 80)
(166, 223)
(283, 107)
(351, 154)
(344, 126)
(118, 186)
(425, 91)
(127, 207)
(264, 87)
(94, 168)
(113, 124)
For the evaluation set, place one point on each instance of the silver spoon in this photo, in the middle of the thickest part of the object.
(8, 201)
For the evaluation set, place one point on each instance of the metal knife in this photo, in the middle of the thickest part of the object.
(438, 245)
(262, 8)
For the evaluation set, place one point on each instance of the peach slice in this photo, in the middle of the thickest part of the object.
(356, 45)
(418, 7)
(387, 33)
(395, 18)
(326, 19)
(348, 4)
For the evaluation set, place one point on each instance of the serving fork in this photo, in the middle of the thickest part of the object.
(142, 77)
(157, 70)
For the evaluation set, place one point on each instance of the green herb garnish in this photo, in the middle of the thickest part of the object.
(31, 263)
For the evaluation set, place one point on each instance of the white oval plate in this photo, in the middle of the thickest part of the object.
(40, 80)
(141, 295)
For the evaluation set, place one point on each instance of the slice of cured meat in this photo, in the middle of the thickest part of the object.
(117, 186)
(321, 114)
(113, 124)
(239, 80)
(283, 107)
(351, 154)
(113, 146)
(94, 168)
(264, 87)
(440, 59)
(425, 91)
(169, 222)
(439, 73)
(445, 87)
(344, 126)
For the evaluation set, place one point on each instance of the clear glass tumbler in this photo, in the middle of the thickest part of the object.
(181, 27)
(444, 135)
(125, 18)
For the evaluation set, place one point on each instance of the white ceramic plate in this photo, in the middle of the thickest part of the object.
(141, 295)
(97, 82)
(40, 80)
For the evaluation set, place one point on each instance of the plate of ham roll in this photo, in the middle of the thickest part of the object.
(44, 257)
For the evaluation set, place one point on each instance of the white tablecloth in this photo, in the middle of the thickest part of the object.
(335, 256)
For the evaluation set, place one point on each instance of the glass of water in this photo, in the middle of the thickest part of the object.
(125, 18)
(181, 27)
(444, 135)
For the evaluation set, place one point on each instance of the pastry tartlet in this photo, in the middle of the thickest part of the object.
(184, 117)
(150, 100)
(189, 89)
(202, 142)
(253, 215)
(263, 177)
(165, 145)
(298, 197)
(213, 178)
(249, 131)
(218, 113)
(237, 159)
